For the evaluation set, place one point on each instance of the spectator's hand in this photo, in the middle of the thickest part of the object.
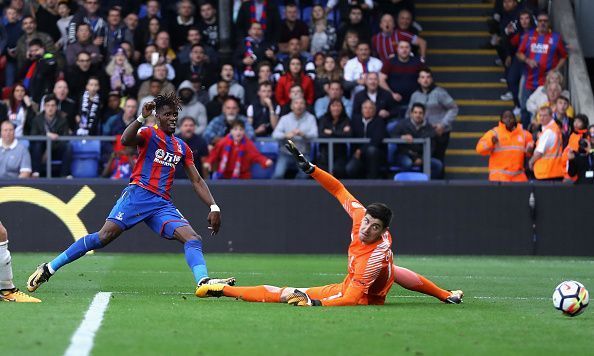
(418, 162)
(530, 147)
(408, 138)
(328, 131)
(27, 100)
(289, 135)
(82, 132)
(268, 102)
(98, 41)
(268, 163)
(508, 61)
(439, 129)
(570, 155)
(383, 113)
(12, 52)
(260, 129)
(147, 108)
(494, 139)
(210, 147)
(531, 63)
(269, 53)
(357, 154)
(397, 96)
(207, 166)
(297, 132)
(53, 136)
(361, 80)
(347, 128)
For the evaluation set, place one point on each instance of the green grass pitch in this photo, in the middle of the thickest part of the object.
(507, 309)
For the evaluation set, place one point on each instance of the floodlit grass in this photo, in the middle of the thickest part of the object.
(507, 308)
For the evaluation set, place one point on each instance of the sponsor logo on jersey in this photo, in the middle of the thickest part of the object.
(166, 158)
(541, 48)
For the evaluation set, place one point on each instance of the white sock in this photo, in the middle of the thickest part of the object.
(5, 267)
(50, 269)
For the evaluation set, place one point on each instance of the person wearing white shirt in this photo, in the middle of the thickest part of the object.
(547, 163)
(356, 69)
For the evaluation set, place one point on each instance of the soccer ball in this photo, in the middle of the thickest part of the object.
(571, 298)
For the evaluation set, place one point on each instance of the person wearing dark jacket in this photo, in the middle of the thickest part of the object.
(39, 72)
(265, 13)
(368, 158)
(334, 124)
(581, 163)
(385, 104)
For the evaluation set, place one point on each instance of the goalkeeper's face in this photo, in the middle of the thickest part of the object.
(371, 229)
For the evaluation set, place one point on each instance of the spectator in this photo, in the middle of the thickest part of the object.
(357, 68)
(78, 75)
(65, 104)
(368, 159)
(546, 96)
(295, 50)
(252, 51)
(334, 92)
(326, 73)
(393, 7)
(334, 124)
(159, 73)
(348, 47)
(195, 38)
(580, 162)
(296, 92)
(209, 25)
(233, 156)
(121, 73)
(15, 161)
(355, 24)
(52, 124)
(191, 107)
(411, 155)
(153, 11)
(299, 126)
(88, 14)
(152, 59)
(295, 75)
(263, 12)
(147, 33)
(117, 123)
(384, 42)
(263, 114)
(114, 32)
(220, 125)
(547, 161)
(580, 129)
(406, 32)
(20, 110)
(130, 33)
(162, 43)
(155, 87)
(187, 132)
(84, 43)
(47, 17)
(322, 34)
(121, 161)
(440, 110)
(292, 27)
(345, 6)
(14, 30)
(561, 117)
(508, 145)
(235, 89)
(549, 48)
(90, 109)
(39, 71)
(184, 20)
(30, 33)
(201, 93)
(111, 108)
(399, 76)
(63, 23)
(385, 104)
(252, 85)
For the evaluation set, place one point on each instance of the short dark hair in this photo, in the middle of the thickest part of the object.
(36, 42)
(50, 97)
(417, 105)
(381, 212)
(237, 122)
(186, 118)
(232, 98)
(264, 84)
(583, 118)
(169, 99)
(426, 70)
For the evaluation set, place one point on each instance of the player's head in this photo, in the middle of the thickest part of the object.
(375, 222)
(167, 108)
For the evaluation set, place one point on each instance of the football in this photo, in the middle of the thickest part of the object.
(571, 298)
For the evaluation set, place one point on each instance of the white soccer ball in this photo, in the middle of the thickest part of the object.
(571, 298)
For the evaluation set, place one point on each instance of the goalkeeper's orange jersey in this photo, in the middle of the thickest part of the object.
(370, 274)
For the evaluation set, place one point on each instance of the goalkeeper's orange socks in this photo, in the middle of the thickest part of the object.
(264, 294)
(415, 282)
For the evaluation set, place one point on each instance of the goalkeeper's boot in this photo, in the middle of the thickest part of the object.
(227, 281)
(15, 295)
(210, 290)
(41, 275)
(455, 297)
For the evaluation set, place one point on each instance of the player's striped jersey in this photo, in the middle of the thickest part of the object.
(158, 156)
(547, 50)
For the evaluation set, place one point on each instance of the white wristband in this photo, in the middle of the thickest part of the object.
(215, 209)
(141, 119)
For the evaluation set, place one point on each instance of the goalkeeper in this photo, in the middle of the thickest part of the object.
(371, 271)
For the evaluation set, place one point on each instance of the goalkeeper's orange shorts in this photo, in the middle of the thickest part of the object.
(329, 291)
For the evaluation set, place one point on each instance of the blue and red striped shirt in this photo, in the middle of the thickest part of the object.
(158, 156)
(547, 50)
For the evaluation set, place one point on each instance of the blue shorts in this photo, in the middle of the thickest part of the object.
(137, 204)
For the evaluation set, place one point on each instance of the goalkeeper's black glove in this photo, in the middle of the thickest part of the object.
(300, 299)
(302, 162)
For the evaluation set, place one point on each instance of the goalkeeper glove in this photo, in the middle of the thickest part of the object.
(302, 162)
(298, 298)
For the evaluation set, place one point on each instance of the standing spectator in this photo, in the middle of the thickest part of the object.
(384, 42)
(30, 33)
(252, 85)
(114, 33)
(581, 160)
(263, 12)
(299, 126)
(184, 20)
(233, 156)
(20, 110)
(440, 110)
(356, 24)
(345, 6)
(159, 73)
(195, 38)
(335, 92)
(121, 73)
(508, 145)
(235, 89)
(322, 34)
(187, 132)
(545, 46)
(209, 25)
(221, 125)
(215, 106)
(252, 51)
(84, 43)
(356, 69)
(263, 114)
(78, 75)
(191, 107)
(385, 104)
(47, 17)
(562, 118)
(334, 124)
(292, 27)
(65, 104)
(63, 23)
(15, 161)
(547, 161)
(90, 109)
(14, 31)
(326, 73)
(406, 32)
(117, 123)
(39, 71)
(295, 75)
(89, 14)
(399, 76)
(580, 129)
(368, 158)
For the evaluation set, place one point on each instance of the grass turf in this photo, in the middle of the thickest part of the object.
(507, 308)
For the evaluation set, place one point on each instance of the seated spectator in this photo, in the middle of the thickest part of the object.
(152, 59)
(263, 12)
(252, 51)
(111, 108)
(197, 65)
(39, 71)
(191, 107)
(30, 33)
(263, 114)
(357, 68)
(121, 73)
(114, 32)
(296, 92)
(90, 109)
(121, 161)
(147, 33)
(348, 47)
(155, 87)
(356, 24)
(406, 32)
(163, 46)
(84, 43)
(187, 133)
(130, 33)
(65, 104)
(15, 161)
(235, 89)
(117, 123)
(215, 106)
(252, 85)
(194, 37)
(411, 155)
(178, 29)
(292, 27)
(20, 110)
(294, 51)
(14, 30)
(580, 130)
(159, 73)
(233, 156)
(88, 14)
(299, 126)
(221, 125)
(383, 44)
(295, 75)
(200, 90)
(209, 25)
(334, 124)
(53, 124)
(334, 92)
(326, 73)
(384, 102)
(345, 6)
(580, 162)
(322, 33)
(78, 75)
(368, 159)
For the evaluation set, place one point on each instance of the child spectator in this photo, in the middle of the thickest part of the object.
(121, 162)
(90, 108)
(120, 72)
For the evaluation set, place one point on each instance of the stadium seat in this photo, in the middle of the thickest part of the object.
(259, 172)
(268, 148)
(85, 158)
(411, 177)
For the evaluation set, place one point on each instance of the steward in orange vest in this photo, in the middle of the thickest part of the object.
(547, 162)
(507, 144)
(580, 129)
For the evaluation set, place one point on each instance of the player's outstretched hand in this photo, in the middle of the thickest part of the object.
(214, 222)
(303, 163)
(300, 299)
(147, 108)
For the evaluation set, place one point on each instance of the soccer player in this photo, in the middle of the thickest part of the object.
(8, 293)
(371, 271)
(147, 197)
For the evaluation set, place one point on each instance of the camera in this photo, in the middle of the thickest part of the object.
(583, 145)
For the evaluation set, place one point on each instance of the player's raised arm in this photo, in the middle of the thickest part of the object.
(201, 189)
(131, 136)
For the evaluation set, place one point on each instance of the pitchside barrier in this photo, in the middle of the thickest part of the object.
(300, 217)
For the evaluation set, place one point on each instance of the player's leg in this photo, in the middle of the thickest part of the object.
(262, 294)
(416, 282)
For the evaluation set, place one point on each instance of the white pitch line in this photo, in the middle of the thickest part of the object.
(81, 342)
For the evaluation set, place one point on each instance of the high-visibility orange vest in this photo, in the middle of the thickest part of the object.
(506, 161)
(550, 165)
(574, 145)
